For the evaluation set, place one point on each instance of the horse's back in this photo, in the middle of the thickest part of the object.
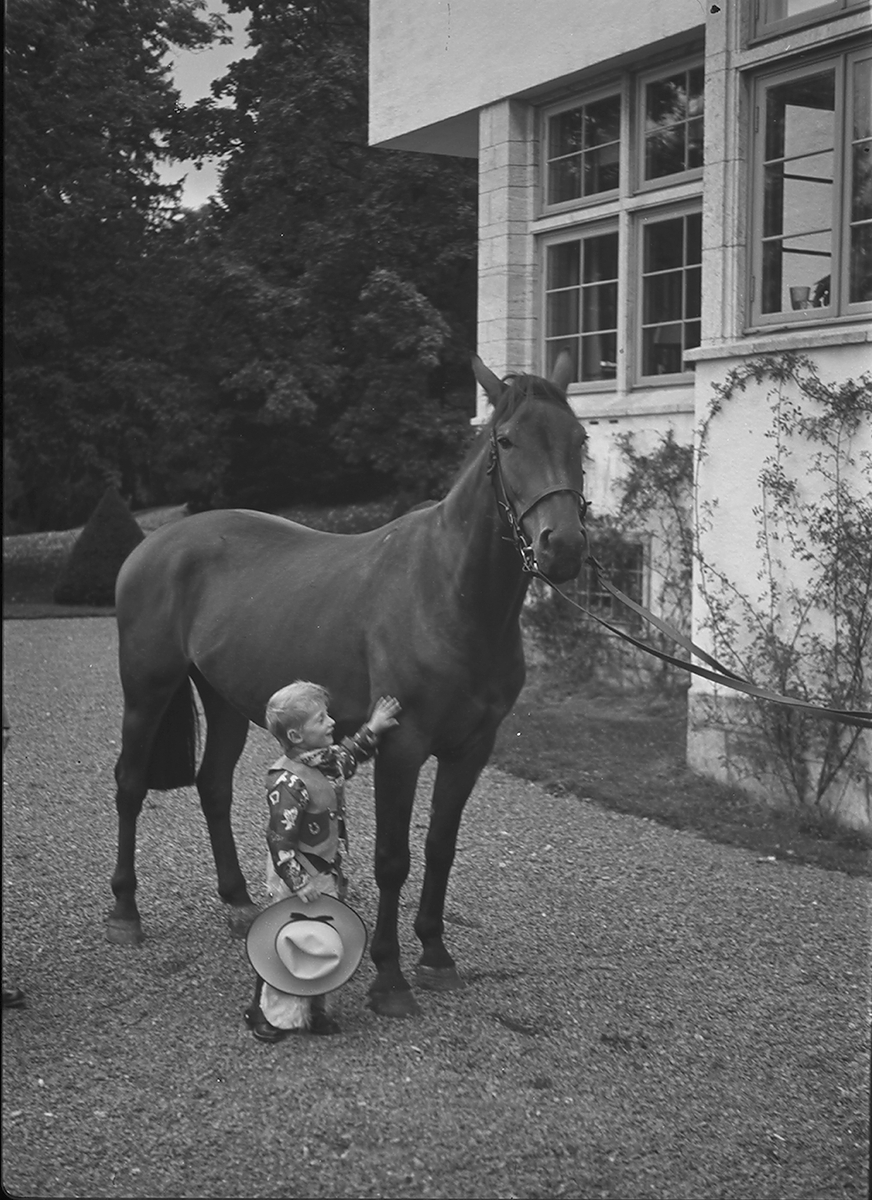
(249, 596)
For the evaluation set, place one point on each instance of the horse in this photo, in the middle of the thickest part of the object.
(425, 608)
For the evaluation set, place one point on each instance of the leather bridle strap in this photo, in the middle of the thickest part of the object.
(518, 538)
(722, 676)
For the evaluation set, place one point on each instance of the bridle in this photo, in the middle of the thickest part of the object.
(510, 509)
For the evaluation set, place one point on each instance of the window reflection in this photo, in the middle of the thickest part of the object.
(584, 150)
(780, 10)
(798, 193)
(860, 274)
(581, 310)
(786, 10)
(674, 124)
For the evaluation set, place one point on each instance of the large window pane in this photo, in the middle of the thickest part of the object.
(798, 193)
(564, 133)
(599, 358)
(671, 293)
(601, 306)
(860, 262)
(800, 116)
(584, 150)
(673, 123)
(581, 305)
(564, 265)
(563, 313)
(602, 121)
(780, 10)
(601, 258)
(664, 245)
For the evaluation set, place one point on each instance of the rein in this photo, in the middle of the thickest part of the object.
(715, 671)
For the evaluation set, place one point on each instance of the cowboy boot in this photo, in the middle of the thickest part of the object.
(257, 1022)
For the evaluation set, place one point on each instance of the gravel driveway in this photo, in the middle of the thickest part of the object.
(648, 1014)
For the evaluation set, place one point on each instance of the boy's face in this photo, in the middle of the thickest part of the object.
(315, 733)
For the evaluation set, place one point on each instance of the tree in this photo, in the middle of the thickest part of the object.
(351, 270)
(89, 573)
(90, 111)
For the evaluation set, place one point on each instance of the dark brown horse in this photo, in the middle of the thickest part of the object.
(425, 608)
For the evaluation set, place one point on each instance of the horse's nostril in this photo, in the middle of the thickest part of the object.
(545, 538)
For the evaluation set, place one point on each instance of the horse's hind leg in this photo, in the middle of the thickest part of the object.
(142, 718)
(455, 779)
(227, 730)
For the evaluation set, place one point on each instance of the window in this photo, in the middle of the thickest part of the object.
(624, 563)
(583, 150)
(581, 304)
(620, 260)
(775, 16)
(671, 291)
(812, 253)
(672, 116)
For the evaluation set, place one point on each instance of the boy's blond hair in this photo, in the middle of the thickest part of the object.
(290, 707)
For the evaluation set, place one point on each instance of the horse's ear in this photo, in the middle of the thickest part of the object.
(485, 376)
(562, 374)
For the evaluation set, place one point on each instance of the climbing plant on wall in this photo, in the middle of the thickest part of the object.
(805, 630)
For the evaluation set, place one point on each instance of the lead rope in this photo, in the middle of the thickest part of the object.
(717, 674)
(721, 675)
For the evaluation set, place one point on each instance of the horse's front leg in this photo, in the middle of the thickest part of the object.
(455, 780)
(396, 776)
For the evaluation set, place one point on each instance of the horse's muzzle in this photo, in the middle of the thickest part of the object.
(560, 554)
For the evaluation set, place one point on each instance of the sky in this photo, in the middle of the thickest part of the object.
(194, 72)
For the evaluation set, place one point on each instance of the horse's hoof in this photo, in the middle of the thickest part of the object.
(438, 979)
(394, 1003)
(124, 932)
(239, 918)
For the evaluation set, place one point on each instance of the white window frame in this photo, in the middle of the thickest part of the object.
(762, 30)
(578, 233)
(840, 308)
(556, 110)
(622, 208)
(638, 133)
(643, 219)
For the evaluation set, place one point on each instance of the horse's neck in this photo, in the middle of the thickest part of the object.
(485, 566)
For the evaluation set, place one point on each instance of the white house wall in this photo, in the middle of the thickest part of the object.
(437, 61)
(471, 77)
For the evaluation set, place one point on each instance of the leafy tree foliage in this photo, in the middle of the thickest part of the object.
(305, 336)
(90, 110)
(352, 268)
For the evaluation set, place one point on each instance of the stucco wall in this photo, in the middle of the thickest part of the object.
(730, 498)
(434, 60)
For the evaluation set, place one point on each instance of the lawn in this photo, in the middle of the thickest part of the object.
(624, 750)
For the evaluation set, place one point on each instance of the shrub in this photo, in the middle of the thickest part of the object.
(88, 576)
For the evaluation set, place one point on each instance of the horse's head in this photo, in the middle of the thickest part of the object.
(537, 447)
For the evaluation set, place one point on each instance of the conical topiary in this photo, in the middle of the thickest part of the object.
(88, 576)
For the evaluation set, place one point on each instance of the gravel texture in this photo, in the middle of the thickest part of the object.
(647, 1014)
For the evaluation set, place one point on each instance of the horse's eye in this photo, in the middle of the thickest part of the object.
(504, 442)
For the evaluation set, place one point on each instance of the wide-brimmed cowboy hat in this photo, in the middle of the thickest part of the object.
(306, 949)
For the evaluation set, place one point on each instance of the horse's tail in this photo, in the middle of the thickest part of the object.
(173, 759)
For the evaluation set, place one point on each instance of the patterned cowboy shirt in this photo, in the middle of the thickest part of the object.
(306, 809)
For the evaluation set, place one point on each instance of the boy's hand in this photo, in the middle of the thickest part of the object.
(384, 715)
(307, 892)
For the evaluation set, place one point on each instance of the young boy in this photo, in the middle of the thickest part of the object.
(306, 831)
